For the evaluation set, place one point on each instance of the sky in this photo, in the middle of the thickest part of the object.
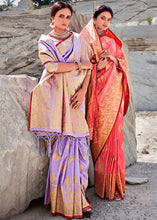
(15, 2)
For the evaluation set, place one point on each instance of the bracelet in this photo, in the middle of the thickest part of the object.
(79, 65)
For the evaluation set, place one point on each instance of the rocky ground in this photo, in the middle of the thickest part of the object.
(140, 202)
(146, 127)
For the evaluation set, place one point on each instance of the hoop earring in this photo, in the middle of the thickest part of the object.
(52, 25)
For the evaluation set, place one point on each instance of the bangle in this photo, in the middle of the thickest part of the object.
(79, 65)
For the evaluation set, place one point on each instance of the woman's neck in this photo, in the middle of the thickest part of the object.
(59, 35)
(100, 32)
(59, 30)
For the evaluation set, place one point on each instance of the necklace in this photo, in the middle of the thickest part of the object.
(59, 36)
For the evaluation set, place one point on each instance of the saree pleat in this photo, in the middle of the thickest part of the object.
(68, 177)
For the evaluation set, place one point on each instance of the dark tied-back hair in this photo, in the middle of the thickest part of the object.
(101, 8)
(58, 6)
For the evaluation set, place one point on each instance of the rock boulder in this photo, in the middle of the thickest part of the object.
(22, 172)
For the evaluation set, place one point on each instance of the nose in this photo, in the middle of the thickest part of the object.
(65, 20)
(105, 21)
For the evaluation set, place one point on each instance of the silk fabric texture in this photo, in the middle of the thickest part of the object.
(65, 129)
(107, 103)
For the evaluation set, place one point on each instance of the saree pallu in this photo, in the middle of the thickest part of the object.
(64, 129)
(107, 103)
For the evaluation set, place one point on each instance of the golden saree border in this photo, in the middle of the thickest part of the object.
(105, 184)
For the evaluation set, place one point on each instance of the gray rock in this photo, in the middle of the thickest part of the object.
(19, 42)
(144, 78)
(140, 37)
(19, 7)
(124, 11)
(145, 150)
(22, 172)
(136, 180)
(154, 21)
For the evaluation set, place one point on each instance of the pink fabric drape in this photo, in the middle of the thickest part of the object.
(107, 102)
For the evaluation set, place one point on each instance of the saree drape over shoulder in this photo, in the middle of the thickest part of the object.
(64, 129)
(107, 103)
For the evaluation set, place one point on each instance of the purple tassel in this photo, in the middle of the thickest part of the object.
(49, 147)
(38, 146)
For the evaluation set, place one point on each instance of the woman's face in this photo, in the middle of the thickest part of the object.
(103, 20)
(62, 20)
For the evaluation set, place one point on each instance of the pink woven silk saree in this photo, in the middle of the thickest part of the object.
(64, 129)
(107, 102)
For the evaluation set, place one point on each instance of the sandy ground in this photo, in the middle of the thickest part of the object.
(146, 132)
(140, 202)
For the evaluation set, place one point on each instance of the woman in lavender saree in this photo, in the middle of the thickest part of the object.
(65, 56)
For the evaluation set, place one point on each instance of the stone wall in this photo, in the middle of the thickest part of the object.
(124, 10)
(142, 44)
(19, 42)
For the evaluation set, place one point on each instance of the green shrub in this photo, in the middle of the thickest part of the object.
(149, 19)
(7, 5)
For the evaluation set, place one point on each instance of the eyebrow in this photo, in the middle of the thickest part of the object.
(106, 17)
(65, 15)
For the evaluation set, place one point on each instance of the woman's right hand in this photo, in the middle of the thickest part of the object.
(103, 62)
(87, 65)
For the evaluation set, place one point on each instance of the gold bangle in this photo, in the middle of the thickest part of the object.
(79, 65)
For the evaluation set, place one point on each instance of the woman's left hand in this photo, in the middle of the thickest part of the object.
(77, 99)
(107, 54)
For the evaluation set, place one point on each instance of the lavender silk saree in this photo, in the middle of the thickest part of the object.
(64, 129)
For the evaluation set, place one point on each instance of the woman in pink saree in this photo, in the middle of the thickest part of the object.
(66, 60)
(107, 103)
